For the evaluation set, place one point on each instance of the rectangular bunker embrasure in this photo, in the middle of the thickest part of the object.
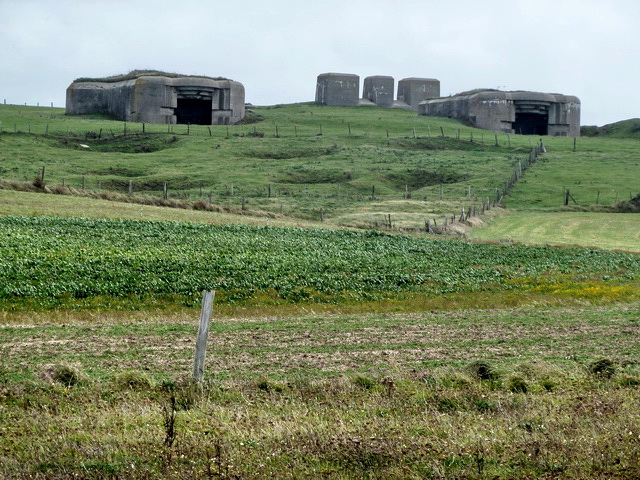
(196, 111)
(531, 124)
(532, 118)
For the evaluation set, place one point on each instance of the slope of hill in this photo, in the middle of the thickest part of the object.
(623, 129)
(346, 166)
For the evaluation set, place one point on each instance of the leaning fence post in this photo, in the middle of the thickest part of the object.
(203, 333)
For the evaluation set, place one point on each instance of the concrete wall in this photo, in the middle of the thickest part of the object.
(338, 89)
(379, 90)
(564, 116)
(154, 99)
(497, 110)
(95, 97)
(412, 91)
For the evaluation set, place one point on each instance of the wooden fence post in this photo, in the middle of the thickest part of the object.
(203, 333)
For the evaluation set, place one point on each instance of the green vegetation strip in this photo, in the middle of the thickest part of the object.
(50, 261)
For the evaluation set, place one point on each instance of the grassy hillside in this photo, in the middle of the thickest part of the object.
(281, 164)
(602, 171)
(623, 129)
(300, 159)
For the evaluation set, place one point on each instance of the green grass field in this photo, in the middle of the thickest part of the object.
(340, 396)
(605, 230)
(335, 352)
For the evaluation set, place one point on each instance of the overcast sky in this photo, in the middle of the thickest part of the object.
(277, 48)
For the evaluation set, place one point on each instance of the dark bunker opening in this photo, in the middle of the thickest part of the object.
(194, 111)
(531, 123)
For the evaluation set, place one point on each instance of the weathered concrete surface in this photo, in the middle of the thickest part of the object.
(412, 90)
(379, 90)
(532, 113)
(338, 89)
(160, 99)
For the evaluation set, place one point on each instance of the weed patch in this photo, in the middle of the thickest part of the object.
(416, 179)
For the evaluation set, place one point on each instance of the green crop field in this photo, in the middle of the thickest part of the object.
(336, 350)
(101, 260)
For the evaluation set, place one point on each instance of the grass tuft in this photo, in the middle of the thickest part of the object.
(365, 382)
(63, 373)
(629, 381)
(517, 384)
(133, 380)
(603, 368)
(483, 371)
(269, 386)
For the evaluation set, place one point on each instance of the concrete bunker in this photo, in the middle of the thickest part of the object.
(413, 90)
(378, 89)
(520, 112)
(342, 89)
(338, 89)
(158, 97)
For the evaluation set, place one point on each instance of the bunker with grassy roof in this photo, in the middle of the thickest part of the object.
(521, 112)
(158, 97)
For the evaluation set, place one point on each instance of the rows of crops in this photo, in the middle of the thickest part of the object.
(49, 258)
